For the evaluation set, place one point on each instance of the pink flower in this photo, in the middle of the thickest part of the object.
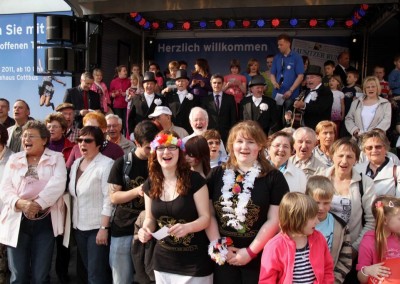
(236, 189)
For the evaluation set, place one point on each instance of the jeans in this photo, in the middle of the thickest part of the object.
(94, 257)
(120, 260)
(30, 261)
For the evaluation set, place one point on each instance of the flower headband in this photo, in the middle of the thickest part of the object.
(166, 139)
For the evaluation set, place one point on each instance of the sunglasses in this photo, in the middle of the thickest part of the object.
(170, 148)
(377, 147)
(86, 140)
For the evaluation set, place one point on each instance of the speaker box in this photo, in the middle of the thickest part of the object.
(59, 59)
(95, 51)
(59, 28)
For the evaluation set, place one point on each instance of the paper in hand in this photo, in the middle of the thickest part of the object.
(161, 234)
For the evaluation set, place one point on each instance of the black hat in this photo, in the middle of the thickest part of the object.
(149, 77)
(257, 80)
(313, 70)
(181, 74)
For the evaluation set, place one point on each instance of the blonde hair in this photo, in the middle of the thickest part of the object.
(294, 212)
(324, 124)
(339, 80)
(320, 187)
(383, 207)
(376, 81)
(249, 129)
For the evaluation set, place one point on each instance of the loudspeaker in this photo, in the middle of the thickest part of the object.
(95, 51)
(59, 28)
(60, 59)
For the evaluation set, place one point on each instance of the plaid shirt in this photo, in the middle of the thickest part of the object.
(72, 134)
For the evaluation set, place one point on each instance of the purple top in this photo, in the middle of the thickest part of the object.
(197, 90)
(57, 146)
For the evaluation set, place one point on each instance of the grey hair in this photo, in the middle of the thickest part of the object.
(195, 109)
(111, 115)
(307, 130)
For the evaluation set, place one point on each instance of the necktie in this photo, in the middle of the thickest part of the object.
(217, 101)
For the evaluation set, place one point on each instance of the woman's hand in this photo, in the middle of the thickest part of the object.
(144, 235)
(30, 208)
(179, 230)
(238, 257)
(377, 270)
(102, 237)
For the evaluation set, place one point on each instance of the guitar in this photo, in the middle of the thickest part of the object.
(297, 116)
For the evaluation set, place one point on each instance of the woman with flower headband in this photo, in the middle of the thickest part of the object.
(176, 198)
(245, 195)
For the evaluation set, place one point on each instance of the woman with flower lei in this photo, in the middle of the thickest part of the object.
(176, 198)
(245, 194)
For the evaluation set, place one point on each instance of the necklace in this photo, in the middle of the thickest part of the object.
(235, 200)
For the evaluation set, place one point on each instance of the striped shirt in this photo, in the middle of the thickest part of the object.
(302, 271)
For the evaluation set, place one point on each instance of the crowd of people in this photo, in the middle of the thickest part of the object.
(282, 176)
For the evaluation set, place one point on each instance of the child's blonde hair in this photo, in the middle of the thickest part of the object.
(339, 80)
(295, 210)
(383, 207)
(320, 187)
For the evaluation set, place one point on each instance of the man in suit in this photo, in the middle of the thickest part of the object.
(344, 66)
(221, 108)
(83, 99)
(258, 107)
(144, 105)
(318, 100)
(180, 102)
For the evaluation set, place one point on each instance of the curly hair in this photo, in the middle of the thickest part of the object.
(156, 175)
(57, 116)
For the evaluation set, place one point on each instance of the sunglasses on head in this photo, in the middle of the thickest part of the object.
(86, 140)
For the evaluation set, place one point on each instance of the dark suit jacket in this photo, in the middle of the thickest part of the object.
(140, 111)
(267, 119)
(343, 75)
(75, 97)
(180, 112)
(320, 109)
(225, 118)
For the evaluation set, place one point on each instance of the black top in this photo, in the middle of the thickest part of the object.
(187, 255)
(267, 190)
(126, 214)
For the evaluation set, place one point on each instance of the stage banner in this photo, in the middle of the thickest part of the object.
(17, 79)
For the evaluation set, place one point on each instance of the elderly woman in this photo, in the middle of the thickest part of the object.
(176, 199)
(217, 157)
(370, 111)
(326, 135)
(280, 148)
(58, 126)
(198, 155)
(91, 204)
(378, 166)
(245, 194)
(354, 194)
(32, 214)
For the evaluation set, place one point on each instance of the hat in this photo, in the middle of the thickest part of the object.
(257, 80)
(181, 74)
(62, 106)
(313, 70)
(149, 77)
(159, 110)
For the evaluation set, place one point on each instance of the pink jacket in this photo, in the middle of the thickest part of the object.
(120, 85)
(104, 97)
(277, 260)
(51, 168)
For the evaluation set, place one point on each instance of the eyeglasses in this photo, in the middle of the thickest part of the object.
(30, 136)
(86, 140)
(377, 147)
(214, 143)
(169, 147)
(53, 127)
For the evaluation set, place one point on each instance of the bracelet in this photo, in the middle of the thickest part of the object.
(104, 228)
(251, 253)
(362, 271)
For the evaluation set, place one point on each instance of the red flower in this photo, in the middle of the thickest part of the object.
(236, 189)
(239, 178)
(228, 241)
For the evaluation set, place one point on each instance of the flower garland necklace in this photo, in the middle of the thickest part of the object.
(235, 200)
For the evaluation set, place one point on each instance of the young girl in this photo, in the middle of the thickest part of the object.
(381, 244)
(118, 87)
(134, 90)
(101, 88)
(338, 109)
(299, 253)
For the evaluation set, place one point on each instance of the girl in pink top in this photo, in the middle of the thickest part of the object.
(234, 83)
(100, 87)
(299, 253)
(118, 88)
(381, 244)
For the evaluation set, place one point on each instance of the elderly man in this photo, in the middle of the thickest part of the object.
(21, 115)
(163, 115)
(67, 110)
(305, 140)
(316, 105)
(5, 119)
(83, 99)
(114, 127)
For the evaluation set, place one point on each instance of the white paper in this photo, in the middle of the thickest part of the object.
(279, 99)
(161, 234)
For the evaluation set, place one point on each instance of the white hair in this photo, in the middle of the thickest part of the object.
(111, 115)
(198, 109)
(307, 130)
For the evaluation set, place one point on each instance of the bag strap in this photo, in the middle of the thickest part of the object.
(395, 175)
(127, 168)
